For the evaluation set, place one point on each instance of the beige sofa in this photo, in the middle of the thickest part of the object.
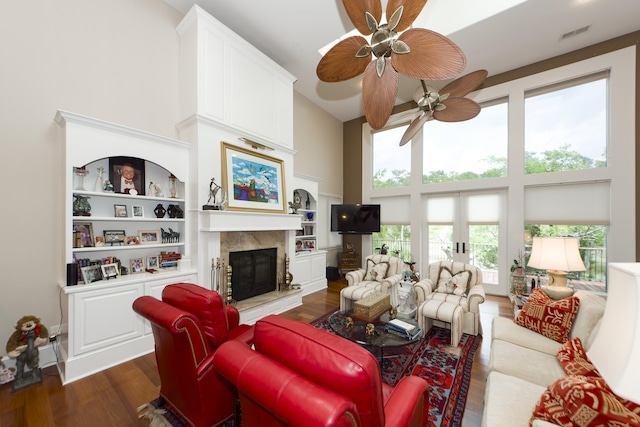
(523, 363)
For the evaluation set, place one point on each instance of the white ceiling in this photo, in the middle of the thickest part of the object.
(291, 31)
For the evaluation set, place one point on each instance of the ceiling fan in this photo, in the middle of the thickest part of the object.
(451, 106)
(417, 53)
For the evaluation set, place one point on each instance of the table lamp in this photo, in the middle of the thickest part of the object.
(616, 349)
(557, 255)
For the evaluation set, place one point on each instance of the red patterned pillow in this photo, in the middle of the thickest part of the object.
(584, 402)
(574, 360)
(553, 319)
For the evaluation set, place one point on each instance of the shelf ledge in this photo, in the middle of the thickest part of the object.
(218, 221)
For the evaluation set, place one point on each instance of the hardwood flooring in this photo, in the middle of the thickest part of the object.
(111, 397)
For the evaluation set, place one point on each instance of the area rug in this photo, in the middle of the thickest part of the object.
(447, 369)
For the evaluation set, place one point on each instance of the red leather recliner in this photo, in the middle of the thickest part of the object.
(184, 354)
(221, 322)
(300, 375)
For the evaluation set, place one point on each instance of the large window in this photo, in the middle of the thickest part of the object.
(468, 150)
(566, 126)
(391, 163)
(394, 240)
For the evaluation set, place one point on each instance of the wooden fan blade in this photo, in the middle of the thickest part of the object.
(432, 57)
(458, 110)
(356, 9)
(412, 9)
(465, 84)
(379, 94)
(341, 63)
(414, 127)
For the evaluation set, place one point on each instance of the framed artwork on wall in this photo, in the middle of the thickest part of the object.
(253, 181)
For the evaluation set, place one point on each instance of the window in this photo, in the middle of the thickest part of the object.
(566, 126)
(462, 151)
(391, 163)
(394, 239)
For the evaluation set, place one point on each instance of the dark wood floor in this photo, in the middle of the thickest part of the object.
(111, 398)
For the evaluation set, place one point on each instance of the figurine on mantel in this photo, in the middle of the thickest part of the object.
(217, 197)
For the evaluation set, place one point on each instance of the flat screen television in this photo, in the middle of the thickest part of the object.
(355, 219)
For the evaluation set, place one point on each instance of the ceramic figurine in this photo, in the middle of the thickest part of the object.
(99, 187)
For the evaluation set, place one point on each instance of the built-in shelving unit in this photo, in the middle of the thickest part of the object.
(99, 327)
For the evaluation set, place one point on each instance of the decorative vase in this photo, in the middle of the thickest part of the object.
(173, 186)
(99, 187)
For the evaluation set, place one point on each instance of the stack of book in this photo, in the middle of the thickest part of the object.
(169, 261)
(403, 329)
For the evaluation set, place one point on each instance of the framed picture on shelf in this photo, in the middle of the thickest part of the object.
(83, 234)
(309, 244)
(112, 237)
(153, 262)
(99, 241)
(136, 265)
(132, 240)
(91, 273)
(138, 211)
(253, 181)
(127, 175)
(149, 237)
(120, 211)
(109, 271)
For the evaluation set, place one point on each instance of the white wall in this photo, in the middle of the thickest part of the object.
(114, 60)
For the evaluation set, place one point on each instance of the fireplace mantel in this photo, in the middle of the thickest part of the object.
(219, 221)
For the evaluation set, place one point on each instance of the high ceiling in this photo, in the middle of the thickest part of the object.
(519, 32)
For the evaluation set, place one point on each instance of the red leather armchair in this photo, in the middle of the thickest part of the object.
(299, 375)
(220, 322)
(184, 326)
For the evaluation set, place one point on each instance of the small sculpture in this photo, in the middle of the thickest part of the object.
(175, 211)
(217, 197)
(370, 329)
(160, 211)
(108, 186)
(23, 346)
(154, 190)
(100, 180)
(348, 322)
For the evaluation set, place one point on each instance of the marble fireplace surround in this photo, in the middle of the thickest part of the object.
(238, 231)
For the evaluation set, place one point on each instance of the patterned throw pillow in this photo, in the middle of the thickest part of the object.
(574, 360)
(553, 319)
(376, 271)
(457, 284)
(584, 402)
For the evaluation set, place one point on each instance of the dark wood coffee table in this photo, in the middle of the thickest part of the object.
(380, 338)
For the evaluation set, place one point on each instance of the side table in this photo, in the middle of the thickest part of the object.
(348, 261)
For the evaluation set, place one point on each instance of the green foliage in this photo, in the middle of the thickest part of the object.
(562, 159)
(399, 178)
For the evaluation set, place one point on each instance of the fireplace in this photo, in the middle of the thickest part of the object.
(254, 272)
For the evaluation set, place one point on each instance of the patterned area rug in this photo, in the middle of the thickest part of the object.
(447, 370)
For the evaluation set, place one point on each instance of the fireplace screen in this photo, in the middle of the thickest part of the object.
(254, 272)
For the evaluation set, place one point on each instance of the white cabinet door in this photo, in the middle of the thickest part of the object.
(104, 318)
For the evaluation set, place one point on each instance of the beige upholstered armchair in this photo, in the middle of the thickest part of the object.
(457, 282)
(381, 273)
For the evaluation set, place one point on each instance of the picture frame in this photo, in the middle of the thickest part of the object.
(149, 237)
(254, 182)
(91, 273)
(137, 211)
(120, 211)
(132, 240)
(99, 241)
(136, 265)
(112, 237)
(132, 165)
(83, 235)
(153, 262)
(109, 270)
(309, 245)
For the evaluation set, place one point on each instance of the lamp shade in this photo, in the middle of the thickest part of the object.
(556, 253)
(616, 349)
